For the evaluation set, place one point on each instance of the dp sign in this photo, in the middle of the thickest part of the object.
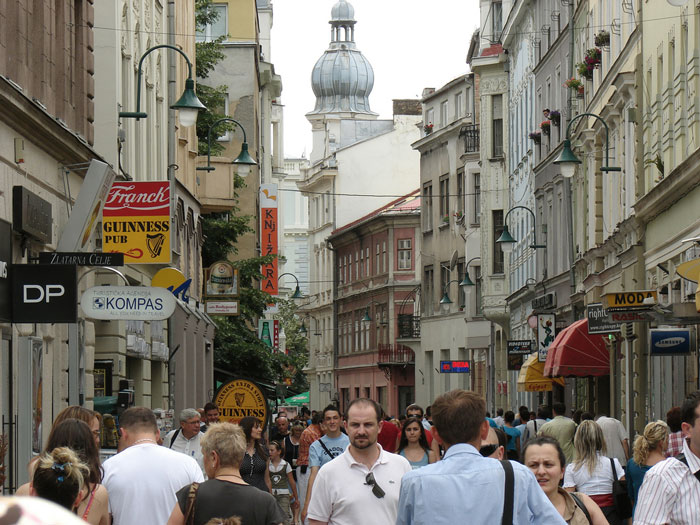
(44, 294)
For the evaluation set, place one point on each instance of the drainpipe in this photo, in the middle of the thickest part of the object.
(172, 160)
(572, 273)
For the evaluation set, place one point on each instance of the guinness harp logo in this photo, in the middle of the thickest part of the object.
(239, 397)
(155, 243)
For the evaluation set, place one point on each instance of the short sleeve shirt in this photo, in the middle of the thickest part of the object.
(336, 446)
(597, 483)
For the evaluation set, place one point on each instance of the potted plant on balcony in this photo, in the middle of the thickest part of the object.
(555, 117)
(573, 83)
(593, 56)
(585, 70)
(544, 126)
(536, 137)
(602, 38)
(428, 128)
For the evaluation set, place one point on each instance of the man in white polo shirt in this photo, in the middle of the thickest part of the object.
(361, 485)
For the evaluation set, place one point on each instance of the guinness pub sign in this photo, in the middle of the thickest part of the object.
(136, 222)
(241, 398)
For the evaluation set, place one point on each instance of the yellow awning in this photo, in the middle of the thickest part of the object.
(531, 377)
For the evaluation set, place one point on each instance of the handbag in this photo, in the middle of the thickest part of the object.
(191, 497)
(623, 505)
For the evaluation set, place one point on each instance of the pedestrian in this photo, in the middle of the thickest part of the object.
(281, 428)
(536, 423)
(282, 481)
(16, 510)
(513, 447)
(494, 446)
(591, 472)
(142, 478)
(464, 485)
(670, 493)
(311, 433)
(362, 484)
(417, 412)
(522, 427)
(562, 429)
(649, 449)
(389, 433)
(545, 458)
(255, 465)
(224, 494)
(92, 418)
(211, 415)
(616, 439)
(186, 439)
(77, 436)
(675, 437)
(291, 455)
(499, 418)
(413, 445)
(60, 477)
(323, 450)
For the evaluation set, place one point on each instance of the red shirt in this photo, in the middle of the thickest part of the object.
(388, 435)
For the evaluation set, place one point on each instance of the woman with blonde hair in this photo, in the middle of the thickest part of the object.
(592, 472)
(60, 477)
(649, 449)
(224, 494)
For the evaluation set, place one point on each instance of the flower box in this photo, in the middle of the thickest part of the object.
(555, 117)
(602, 38)
(428, 128)
(573, 83)
(544, 126)
(585, 70)
(580, 92)
(536, 137)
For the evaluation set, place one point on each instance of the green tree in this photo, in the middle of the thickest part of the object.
(297, 355)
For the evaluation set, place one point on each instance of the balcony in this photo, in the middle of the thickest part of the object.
(470, 135)
(409, 326)
(395, 355)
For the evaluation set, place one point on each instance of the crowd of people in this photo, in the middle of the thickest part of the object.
(452, 462)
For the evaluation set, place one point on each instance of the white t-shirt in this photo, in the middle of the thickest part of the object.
(142, 481)
(596, 484)
(192, 447)
(342, 497)
(614, 433)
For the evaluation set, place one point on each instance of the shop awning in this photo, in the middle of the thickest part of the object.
(531, 377)
(575, 352)
(298, 400)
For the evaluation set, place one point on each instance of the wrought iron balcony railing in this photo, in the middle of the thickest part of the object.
(396, 354)
(409, 326)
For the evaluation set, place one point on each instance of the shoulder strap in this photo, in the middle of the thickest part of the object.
(509, 493)
(581, 506)
(320, 442)
(172, 439)
(681, 457)
(191, 496)
(535, 422)
(612, 464)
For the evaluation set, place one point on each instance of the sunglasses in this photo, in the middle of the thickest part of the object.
(376, 489)
(487, 450)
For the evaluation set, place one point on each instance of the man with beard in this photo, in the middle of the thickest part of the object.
(362, 484)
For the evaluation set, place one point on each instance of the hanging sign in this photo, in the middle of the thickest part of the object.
(44, 294)
(221, 307)
(545, 335)
(269, 333)
(82, 259)
(222, 280)
(599, 321)
(5, 262)
(141, 303)
(136, 221)
(31, 215)
(174, 281)
(517, 351)
(634, 300)
(674, 341)
(268, 236)
(241, 398)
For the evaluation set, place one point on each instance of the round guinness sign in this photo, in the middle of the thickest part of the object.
(241, 398)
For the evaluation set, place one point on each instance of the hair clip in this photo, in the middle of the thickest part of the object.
(59, 467)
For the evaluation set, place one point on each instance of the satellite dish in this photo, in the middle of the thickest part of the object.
(453, 260)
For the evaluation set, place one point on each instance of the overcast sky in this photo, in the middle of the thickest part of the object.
(411, 44)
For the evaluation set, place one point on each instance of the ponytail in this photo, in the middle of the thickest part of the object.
(654, 433)
(60, 476)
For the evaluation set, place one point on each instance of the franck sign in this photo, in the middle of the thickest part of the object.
(142, 303)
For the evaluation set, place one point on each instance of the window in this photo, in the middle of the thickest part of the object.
(477, 294)
(444, 197)
(357, 265)
(367, 261)
(461, 293)
(217, 28)
(362, 262)
(497, 217)
(444, 279)
(404, 254)
(384, 267)
(459, 104)
(497, 125)
(430, 116)
(376, 261)
(460, 191)
(496, 21)
(428, 286)
(427, 207)
(444, 115)
(476, 177)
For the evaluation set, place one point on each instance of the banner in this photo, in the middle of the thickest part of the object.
(269, 333)
(136, 222)
(518, 350)
(268, 236)
(546, 331)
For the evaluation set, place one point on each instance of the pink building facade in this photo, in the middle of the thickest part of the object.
(377, 282)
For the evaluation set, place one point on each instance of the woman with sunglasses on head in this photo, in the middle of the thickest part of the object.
(77, 435)
(545, 458)
(413, 444)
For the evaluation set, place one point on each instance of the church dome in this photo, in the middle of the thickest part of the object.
(342, 78)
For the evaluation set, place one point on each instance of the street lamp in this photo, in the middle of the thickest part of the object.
(567, 160)
(297, 291)
(507, 241)
(445, 302)
(368, 318)
(467, 282)
(188, 105)
(244, 161)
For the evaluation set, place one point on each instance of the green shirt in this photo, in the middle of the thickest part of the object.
(562, 429)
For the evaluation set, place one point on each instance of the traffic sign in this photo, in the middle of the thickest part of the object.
(141, 303)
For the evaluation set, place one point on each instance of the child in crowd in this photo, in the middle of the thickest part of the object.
(282, 480)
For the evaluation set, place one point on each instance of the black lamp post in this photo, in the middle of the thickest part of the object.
(297, 291)
(243, 162)
(507, 241)
(188, 105)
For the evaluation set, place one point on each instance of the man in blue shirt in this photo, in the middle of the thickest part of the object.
(464, 483)
(330, 446)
